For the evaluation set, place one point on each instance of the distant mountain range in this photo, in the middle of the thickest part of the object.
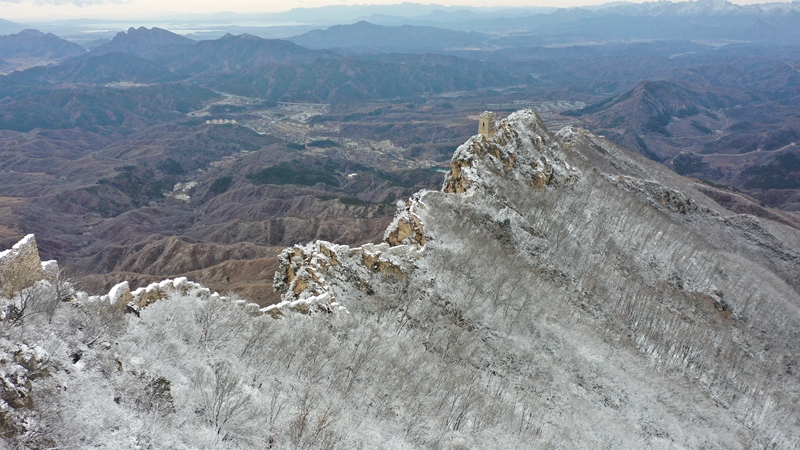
(731, 124)
(367, 37)
(8, 27)
(274, 70)
(34, 43)
(146, 43)
(703, 19)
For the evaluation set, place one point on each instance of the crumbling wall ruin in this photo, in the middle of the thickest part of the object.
(21, 267)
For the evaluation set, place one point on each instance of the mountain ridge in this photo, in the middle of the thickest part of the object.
(145, 43)
(555, 273)
(322, 272)
(30, 43)
(364, 36)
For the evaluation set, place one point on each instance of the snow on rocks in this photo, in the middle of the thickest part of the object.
(406, 227)
(50, 268)
(20, 267)
(19, 365)
(304, 272)
(145, 296)
(656, 194)
(301, 278)
(569, 135)
(120, 294)
(521, 148)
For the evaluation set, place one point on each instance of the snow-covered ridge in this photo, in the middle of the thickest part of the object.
(304, 271)
(520, 149)
(611, 312)
(21, 268)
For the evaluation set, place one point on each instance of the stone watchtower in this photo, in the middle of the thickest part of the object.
(486, 124)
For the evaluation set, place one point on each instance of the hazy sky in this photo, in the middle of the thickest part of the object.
(32, 10)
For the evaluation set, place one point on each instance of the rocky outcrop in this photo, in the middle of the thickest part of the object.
(20, 267)
(305, 271)
(520, 148)
(301, 278)
(407, 227)
(141, 298)
(137, 300)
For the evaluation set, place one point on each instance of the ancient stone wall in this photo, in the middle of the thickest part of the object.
(20, 267)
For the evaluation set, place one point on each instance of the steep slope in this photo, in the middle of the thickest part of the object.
(574, 270)
(732, 124)
(559, 292)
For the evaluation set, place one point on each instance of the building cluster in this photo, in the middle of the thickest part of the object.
(220, 121)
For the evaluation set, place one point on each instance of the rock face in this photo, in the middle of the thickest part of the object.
(605, 269)
(305, 274)
(302, 277)
(520, 148)
(407, 227)
(20, 267)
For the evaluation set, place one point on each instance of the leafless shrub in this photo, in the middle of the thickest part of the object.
(222, 401)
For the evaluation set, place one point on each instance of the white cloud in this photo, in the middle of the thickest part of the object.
(67, 2)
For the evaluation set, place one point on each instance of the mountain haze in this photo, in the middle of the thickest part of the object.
(728, 124)
(145, 43)
(366, 37)
(613, 264)
(34, 43)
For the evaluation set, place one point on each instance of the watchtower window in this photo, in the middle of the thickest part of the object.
(486, 124)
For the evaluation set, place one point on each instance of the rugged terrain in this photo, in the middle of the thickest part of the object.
(735, 130)
(558, 292)
(155, 155)
(543, 289)
(534, 235)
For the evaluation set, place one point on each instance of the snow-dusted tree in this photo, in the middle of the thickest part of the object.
(223, 401)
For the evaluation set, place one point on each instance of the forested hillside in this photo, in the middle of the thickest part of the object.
(558, 292)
